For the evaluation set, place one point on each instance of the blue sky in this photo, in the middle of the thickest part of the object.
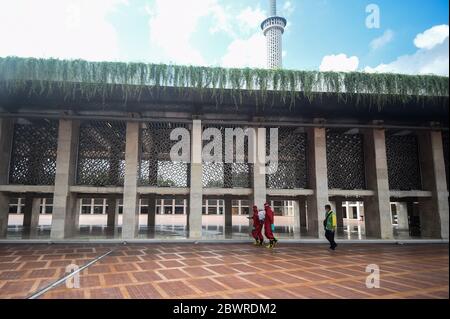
(322, 34)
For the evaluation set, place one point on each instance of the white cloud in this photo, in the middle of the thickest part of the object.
(432, 56)
(248, 48)
(172, 42)
(249, 52)
(250, 18)
(339, 63)
(172, 24)
(288, 8)
(222, 20)
(432, 37)
(383, 40)
(434, 61)
(59, 28)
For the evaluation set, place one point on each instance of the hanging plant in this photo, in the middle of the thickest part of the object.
(92, 80)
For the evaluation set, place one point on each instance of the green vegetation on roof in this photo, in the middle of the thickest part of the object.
(98, 79)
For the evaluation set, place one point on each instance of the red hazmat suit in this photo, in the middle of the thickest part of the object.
(257, 226)
(268, 222)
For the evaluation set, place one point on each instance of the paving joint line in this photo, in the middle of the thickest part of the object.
(65, 278)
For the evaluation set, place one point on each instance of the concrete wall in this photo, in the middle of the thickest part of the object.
(435, 210)
(6, 134)
(258, 153)
(196, 192)
(64, 202)
(130, 227)
(318, 180)
(433, 199)
(377, 208)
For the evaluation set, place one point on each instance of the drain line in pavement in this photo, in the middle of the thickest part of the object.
(63, 279)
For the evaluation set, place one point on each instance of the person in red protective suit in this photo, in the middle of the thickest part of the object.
(269, 226)
(257, 228)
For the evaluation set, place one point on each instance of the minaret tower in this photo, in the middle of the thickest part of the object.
(273, 28)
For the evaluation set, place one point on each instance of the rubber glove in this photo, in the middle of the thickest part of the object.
(273, 227)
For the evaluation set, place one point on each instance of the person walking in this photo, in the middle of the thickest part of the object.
(257, 227)
(269, 226)
(330, 225)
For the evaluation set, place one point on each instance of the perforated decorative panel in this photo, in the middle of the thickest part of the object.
(33, 157)
(292, 170)
(101, 153)
(157, 169)
(226, 175)
(403, 162)
(445, 144)
(345, 160)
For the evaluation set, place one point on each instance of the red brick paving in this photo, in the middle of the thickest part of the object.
(147, 291)
(226, 271)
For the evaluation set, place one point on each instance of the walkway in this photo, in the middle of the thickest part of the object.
(226, 271)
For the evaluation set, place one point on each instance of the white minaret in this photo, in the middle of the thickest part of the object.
(273, 28)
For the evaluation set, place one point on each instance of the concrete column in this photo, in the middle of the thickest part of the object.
(196, 194)
(31, 214)
(339, 211)
(318, 181)
(4, 214)
(130, 227)
(112, 212)
(6, 139)
(296, 207)
(302, 212)
(228, 214)
(77, 213)
(434, 212)
(6, 136)
(377, 209)
(402, 216)
(151, 218)
(258, 154)
(64, 202)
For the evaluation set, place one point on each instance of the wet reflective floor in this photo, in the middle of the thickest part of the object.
(174, 228)
(189, 271)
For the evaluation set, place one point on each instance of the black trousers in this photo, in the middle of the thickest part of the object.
(329, 235)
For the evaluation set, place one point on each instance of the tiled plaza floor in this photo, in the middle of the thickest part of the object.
(226, 271)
